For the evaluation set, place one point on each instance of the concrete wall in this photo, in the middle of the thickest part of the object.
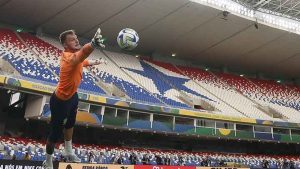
(34, 105)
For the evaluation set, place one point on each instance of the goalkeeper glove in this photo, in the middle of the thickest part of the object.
(97, 40)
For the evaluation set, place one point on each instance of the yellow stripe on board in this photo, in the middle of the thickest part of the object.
(2, 79)
(215, 116)
(37, 86)
(97, 99)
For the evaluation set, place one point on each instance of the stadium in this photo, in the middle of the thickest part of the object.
(208, 84)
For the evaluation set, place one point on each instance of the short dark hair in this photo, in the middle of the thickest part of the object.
(63, 35)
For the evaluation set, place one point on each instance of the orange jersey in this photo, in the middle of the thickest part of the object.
(71, 65)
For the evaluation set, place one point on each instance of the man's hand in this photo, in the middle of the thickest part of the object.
(97, 62)
(97, 41)
(101, 60)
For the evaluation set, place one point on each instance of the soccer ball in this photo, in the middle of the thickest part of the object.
(128, 39)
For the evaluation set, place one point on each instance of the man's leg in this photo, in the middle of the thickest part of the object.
(69, 154)
(55, 134)
(68, 135)
(68, 140)
(48, 163)
(57, 118)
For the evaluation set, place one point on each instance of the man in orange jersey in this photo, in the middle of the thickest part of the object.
(64, 101)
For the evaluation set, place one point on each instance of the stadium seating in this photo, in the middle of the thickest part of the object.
(109, 154)
(157, 88)
(50, 56)
(224, 90)
(153, 82)
(163, 89)
(217, 88)
(266, 93)
(278, 94)
(226, 93)
(255, 92)
(111, 73)
(22, 58)
(223, 107)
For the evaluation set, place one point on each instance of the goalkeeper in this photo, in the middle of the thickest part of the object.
(64, 101)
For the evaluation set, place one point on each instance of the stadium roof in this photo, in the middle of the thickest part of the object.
(284, 8)
(191, 30)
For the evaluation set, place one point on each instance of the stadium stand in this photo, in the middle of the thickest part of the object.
(111, 73)
(265, 93)
(22, 58)
(153, 82)
(50, 56)
(278, 94)
(122, 63)
(110, 154)
(222, 91)
(223, 107)
(237, 91)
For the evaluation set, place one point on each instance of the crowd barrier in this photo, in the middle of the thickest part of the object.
(111, 166)
(26, 164)
(23, 164)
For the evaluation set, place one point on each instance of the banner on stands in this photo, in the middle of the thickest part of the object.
(221, 168)
(92, 166)
(162, 167)
(180, 167)
(111, 166)
(21, 164)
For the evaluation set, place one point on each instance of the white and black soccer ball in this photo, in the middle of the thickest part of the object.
(128, 39)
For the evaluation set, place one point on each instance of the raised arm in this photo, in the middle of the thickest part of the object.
(94, 62)
(88, 48)
(83, 53)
